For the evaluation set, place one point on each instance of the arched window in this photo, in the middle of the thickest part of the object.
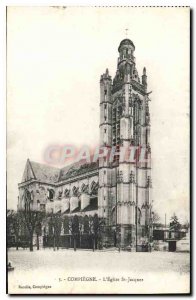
(27, 196)
(114, 215)
(66, 192)
(51, 194)
(32, 195)
(27, 200)
(75, 191)
(60, 194)
(84, 188)
(94, 188)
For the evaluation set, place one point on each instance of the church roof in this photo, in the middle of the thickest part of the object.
(49, 174)
(75, 169)
(41, 172)
(45, 173)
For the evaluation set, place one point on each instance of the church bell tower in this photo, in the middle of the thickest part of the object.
(124, 186)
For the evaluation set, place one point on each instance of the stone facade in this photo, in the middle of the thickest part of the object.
(118, 191)
(125, 121)
(75, 194)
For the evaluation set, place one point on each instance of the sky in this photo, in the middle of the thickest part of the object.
(55, 57)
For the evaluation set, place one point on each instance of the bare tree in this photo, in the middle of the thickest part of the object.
(13, 225)
(56, 225)
(30, 217)
(155, 217)
(38, 231)
(75, 229)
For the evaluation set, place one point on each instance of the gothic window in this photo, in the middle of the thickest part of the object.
(139, 113)
(60, 194)
(27, 200)
(105, 106)
(105, 92)
(113, 215)
(94, 188)
(139, 135)
(75, 191)
(136, 108)
(105, 130)
(136, 115)
(66, 192)
(114, 115)
(146, 136)
(83, 187)
(27, 196)
(119, 111)
(32, 195)
(51, 194)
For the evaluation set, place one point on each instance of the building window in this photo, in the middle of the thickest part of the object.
(105, 130)
(42, 207)
(60, 194)
(51, 195)
(105, 91)
(105, 118)
(104, 172)
(105, 106)
(32, 195)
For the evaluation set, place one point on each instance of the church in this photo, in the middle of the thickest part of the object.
(118, 192)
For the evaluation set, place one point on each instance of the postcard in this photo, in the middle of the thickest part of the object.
(98, 158)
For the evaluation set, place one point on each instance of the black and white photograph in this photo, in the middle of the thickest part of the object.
(98, 157)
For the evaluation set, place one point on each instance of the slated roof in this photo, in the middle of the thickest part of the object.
(45, 173)
(49, 174)
(76, 169)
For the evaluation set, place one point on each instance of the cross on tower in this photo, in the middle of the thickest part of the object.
(126, 31)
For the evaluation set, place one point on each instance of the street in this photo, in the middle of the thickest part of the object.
(50, 267)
